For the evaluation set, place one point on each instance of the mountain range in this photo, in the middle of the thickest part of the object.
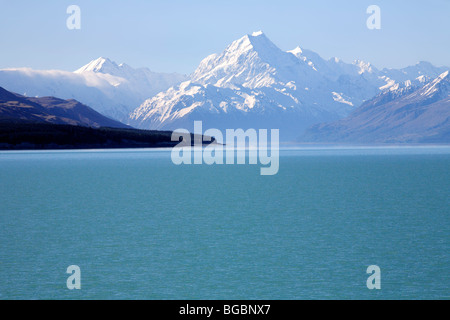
(53, 123)
(415, 114)
(254, 84)
(251, 84)
(111, 89)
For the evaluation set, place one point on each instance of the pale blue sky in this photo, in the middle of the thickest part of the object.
(175, 35)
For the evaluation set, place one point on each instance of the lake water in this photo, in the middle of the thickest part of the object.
(140, 227)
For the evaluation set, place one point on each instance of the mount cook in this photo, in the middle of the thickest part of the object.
(254, 84)
(251, 84)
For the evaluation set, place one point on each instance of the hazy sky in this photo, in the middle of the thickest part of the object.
(175, 35)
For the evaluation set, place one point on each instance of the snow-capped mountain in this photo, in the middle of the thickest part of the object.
(142, 81)
(417, 113)
(111, 89)
(254, 84)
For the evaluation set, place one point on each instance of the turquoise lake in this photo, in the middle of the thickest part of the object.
(140, 227)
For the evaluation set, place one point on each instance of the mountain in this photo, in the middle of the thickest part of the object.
(111, 89)
(413, 114)
(254, 84)
(141, 81)
(52, 123)
(17, 108)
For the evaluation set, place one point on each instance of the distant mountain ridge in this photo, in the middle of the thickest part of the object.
(254, 84)
(17, 108)
(415, 114)
(142, 79)
(111, 89)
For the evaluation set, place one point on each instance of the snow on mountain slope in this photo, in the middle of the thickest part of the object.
(437, 89)
(111, 89)
(251, 84)
(254, 84)
(223, 108)
(417, 113)
(144, 82)
(252, 62)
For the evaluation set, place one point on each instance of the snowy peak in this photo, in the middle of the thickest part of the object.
(107, 66)
(252, 61)
(422, 71)
(100, 65)
(296, 52)
(256, 41)
(439, 87)
(363, 66)
(421, 91)
(259, 38)
(245, 62)
(141, 82)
